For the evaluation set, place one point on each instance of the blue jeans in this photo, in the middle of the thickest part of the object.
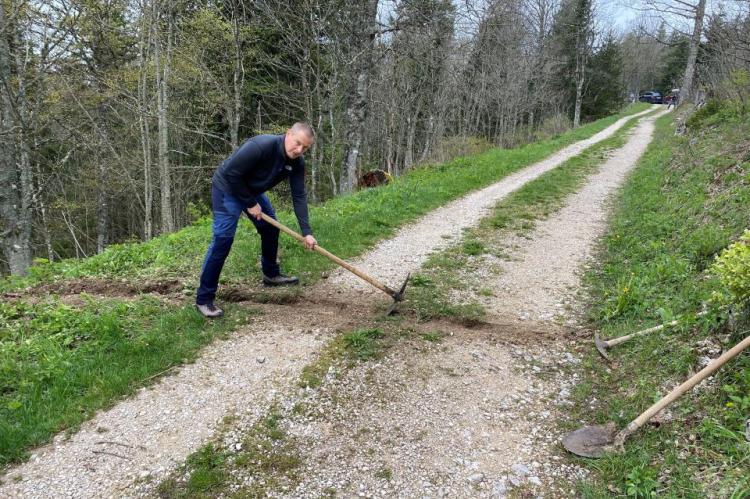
(227, 211)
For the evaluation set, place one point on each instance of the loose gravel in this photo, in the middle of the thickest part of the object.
(473, 416)
(539, 281)
(144, 438)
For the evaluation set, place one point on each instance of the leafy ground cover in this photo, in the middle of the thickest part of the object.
(62, 361)
(686, 201)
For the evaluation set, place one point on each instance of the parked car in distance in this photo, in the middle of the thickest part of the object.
(652, 97)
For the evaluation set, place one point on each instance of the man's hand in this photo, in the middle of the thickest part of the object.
(309, 242)
(255, 211)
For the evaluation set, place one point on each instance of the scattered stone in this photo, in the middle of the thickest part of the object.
(499, 489)
(520, 470)
(476, 478)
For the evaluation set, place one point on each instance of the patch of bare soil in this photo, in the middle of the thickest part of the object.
(100, 287)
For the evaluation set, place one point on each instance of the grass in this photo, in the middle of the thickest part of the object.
(685, 202)
(266, 459)
(60, 363)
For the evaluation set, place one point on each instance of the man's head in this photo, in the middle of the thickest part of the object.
(298, 140)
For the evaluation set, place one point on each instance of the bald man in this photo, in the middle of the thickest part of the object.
(239, 186)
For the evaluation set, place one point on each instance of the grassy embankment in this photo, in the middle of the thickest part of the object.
(686, 201)
(62, 361)
(268, 453)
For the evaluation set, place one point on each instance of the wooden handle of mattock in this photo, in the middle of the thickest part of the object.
(354, 270)
(623, 339)
(680, 390)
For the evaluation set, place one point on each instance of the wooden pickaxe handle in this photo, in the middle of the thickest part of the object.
(623, 339)
(351, 268)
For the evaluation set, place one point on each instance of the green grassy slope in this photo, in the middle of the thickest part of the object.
(686, 201)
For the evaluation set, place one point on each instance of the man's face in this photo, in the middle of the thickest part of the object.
(296, 144)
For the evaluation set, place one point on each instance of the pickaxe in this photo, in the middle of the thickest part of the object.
(396, 295)
(603, 345)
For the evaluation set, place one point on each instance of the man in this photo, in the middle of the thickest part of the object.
(239, 186)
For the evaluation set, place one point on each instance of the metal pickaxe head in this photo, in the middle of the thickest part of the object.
(398, 296)
(601, 345)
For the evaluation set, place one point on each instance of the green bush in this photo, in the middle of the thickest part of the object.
(705, 114)
(732, 267)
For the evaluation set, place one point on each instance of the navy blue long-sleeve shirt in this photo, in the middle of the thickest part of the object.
(258, 165)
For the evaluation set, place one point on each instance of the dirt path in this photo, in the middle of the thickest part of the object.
(147, 436)
(472, 416)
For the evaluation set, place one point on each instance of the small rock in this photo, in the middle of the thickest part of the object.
(261, 360)
(476, 478)
(515, 481)
(499, 489)
(534, 481)
(520, 470)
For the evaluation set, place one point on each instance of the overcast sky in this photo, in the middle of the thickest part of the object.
(622, 13)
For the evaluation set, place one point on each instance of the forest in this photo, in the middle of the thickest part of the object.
(115, 113)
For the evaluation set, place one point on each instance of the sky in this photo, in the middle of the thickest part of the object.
(622, 13)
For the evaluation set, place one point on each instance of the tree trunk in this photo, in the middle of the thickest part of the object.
(579, 97)
(238, 80)
(38, 201)
(143, 121)
(102, 211)
(15, 167)
(161, 63)
(428, 138)
(686, 92)
(580, 74)
(356, 112)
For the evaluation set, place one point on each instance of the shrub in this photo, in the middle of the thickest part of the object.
(732, 267)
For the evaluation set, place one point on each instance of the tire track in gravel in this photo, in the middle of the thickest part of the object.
(150, 434)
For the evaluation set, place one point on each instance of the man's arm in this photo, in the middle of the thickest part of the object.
(299, 198)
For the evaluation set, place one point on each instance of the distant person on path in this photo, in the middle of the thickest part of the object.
(673, 100)
(239, 186)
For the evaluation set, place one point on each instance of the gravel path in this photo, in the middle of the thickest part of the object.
(471, 416)
(148, 435)
(409, 248)
(535, 285)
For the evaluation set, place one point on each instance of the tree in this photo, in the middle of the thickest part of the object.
(604, 92)
(15, 163)
(692, 13)
(361, 43)
(574, 35)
